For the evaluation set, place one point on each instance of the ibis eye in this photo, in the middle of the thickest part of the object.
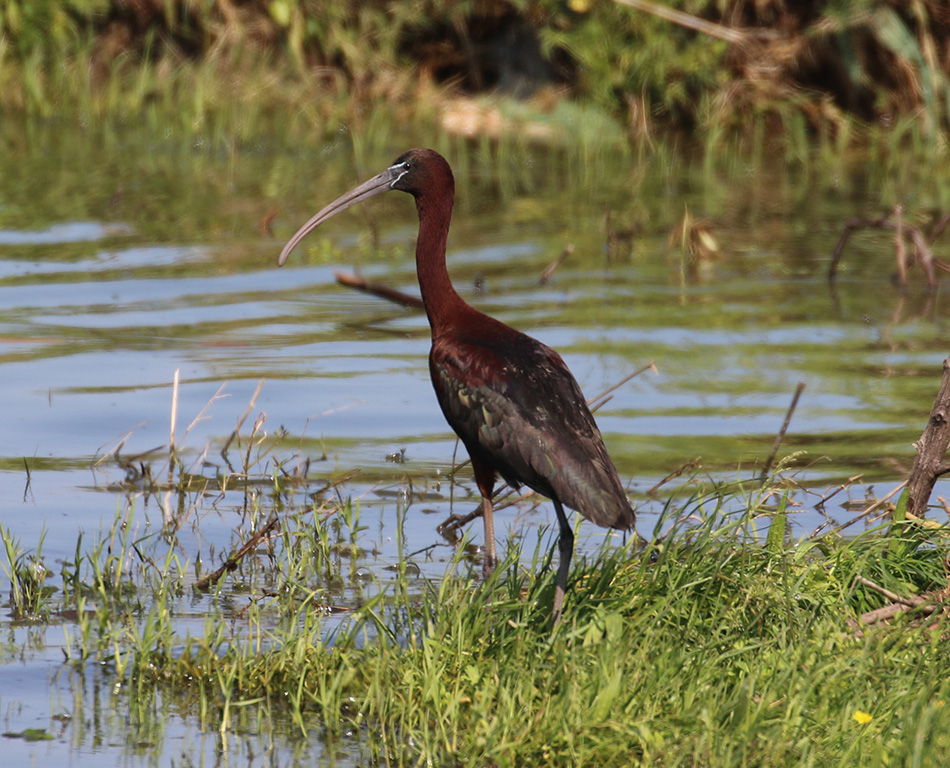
(403, 170)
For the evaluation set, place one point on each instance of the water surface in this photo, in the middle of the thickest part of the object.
(126, 258)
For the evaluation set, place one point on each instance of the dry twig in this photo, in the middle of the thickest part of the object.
(781, 433)
(240, 421)
(550, 268)
(921, 242)
(232, 562)
(877, 504)
(729, 34)
(923, 605)
(689, 465)
(390, 294)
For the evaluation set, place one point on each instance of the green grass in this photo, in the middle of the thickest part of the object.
(709, 647)
(27, 576)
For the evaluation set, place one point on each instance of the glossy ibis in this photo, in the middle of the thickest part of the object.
(510, 399)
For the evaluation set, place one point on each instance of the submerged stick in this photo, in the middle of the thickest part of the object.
(781, 433)
(846, 484)
(232, 562)
(384, 292)
(921, 242)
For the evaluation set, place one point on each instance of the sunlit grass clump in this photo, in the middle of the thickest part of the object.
(729, 71)
(705, 647)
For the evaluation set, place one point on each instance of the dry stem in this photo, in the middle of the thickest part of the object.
(781, 433)
(550, 268)
(352, 281)
(232, 562)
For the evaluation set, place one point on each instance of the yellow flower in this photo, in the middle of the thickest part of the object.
(863, 718)
(579, 6)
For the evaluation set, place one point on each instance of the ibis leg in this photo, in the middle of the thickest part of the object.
(491, 558)
(565, 547)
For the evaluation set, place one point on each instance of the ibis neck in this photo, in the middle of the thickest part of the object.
(441, 301)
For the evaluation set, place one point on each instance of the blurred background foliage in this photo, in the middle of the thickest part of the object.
(685, 65)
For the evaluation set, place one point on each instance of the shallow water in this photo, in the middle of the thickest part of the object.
(126, 258)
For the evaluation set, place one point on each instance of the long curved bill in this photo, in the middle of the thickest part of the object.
(380, 183)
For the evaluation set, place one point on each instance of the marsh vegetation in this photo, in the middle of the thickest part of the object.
(262, 580)
(703, 69)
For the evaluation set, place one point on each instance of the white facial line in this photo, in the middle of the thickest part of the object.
(405, 170)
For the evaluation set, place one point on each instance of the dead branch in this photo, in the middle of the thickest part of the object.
(232, 562)
(922, 244)
(876, 505)
(922, 605)
(931, 447)
(892, 596)
(453, 523)
(889, 611)
(390, 294)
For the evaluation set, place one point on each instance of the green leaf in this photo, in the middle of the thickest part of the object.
(775, 540)
(605, 697)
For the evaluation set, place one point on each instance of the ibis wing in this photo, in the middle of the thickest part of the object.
(517, 408)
